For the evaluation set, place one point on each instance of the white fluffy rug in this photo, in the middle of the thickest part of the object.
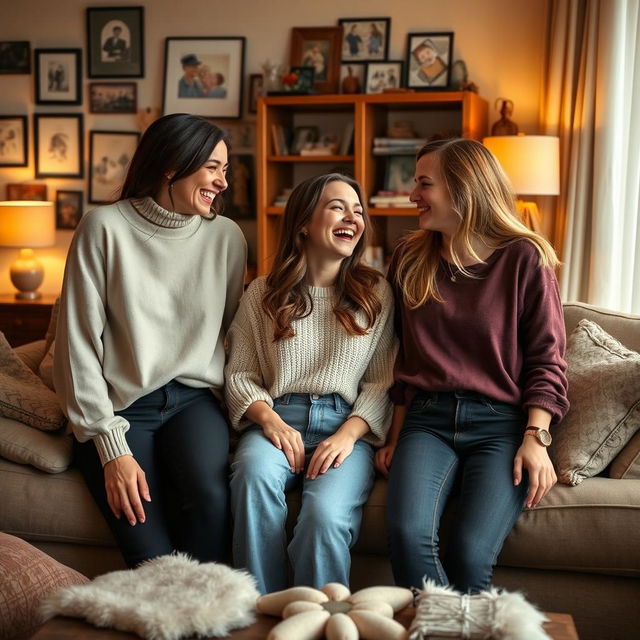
(164, 599)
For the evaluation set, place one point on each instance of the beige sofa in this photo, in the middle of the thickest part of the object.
(579, 552)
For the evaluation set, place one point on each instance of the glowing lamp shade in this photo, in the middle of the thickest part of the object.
(532, 164)
(25, 225)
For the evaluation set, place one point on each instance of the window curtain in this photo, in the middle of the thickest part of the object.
(591, 100)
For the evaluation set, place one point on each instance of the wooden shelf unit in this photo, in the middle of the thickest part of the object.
(450, 113)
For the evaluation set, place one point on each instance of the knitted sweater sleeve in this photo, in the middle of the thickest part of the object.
(373, 404)
(243, 378)
(78, 356)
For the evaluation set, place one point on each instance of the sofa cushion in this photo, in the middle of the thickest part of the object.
(47, 451)
(27, 576)
(626, 464)
(604, 392)
(23, 396)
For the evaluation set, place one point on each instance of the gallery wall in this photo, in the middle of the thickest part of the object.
(501, 41)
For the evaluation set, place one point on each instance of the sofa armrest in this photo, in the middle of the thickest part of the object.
(31, 354)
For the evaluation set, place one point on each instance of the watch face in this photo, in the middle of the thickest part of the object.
(544, 436)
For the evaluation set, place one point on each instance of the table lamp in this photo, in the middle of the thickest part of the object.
(26, 224)
(532, 163)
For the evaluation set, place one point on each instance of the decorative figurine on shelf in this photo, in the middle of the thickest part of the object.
(351, 83)
(460, 78)
(505, 126)
(271, 74)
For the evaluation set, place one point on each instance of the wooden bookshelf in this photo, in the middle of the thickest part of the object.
(450, 113)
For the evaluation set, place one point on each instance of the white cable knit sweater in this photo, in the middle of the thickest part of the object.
(321, 358)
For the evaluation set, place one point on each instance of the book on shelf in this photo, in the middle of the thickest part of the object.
(394, 205)
(399, 142)
(347, 139)
(319, 151)
(280, 147)
(396, 151)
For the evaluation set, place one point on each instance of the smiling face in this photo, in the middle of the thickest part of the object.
(431, 196)
(194, 194)
(336, 225)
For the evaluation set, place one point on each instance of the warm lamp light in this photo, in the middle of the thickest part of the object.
(532, 163)
(26, 224)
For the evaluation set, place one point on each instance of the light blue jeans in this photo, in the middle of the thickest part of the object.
(329, 520)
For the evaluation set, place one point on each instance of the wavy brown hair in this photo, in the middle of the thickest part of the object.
(483, 199)
(287, 297)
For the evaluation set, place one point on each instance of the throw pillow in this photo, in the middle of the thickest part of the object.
(604, 392)
(626, 465)
(27, 576)
(23, 396)
(47, 451)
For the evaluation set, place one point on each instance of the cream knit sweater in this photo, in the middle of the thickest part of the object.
(146, 299)
(321, 358)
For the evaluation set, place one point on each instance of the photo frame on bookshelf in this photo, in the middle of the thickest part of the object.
(428, 61)
(365, 39)
(383, 75)
(400, 172)
(318, 47)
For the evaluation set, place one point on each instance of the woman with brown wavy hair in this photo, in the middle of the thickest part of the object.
(310, 362)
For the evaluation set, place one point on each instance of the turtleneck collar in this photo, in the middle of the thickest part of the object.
(149, 209)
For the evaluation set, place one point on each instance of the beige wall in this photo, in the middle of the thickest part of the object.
(502, 42)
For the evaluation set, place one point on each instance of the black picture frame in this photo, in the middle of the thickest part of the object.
(113, 97)
(365, 39)
(14, 141)
(15, 57)
(387, 74)
(58, 145)
(110, 153)
(115, 42)
(204, 76)
(69, 206)
(428, 61)
(58, 77)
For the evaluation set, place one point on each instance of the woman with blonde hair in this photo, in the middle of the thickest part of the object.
(480, 374)
(311, 353)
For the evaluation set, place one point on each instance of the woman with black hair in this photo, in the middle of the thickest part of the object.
(151, 283)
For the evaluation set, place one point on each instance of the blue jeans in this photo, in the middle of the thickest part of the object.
(450, 439)
(329, 520)
(180, 439)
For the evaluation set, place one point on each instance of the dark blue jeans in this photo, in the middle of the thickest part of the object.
(450, 440)
(180, 439)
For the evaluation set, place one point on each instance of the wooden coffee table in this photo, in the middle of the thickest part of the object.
(559, 627)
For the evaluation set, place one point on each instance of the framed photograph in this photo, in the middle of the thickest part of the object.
(113, 97)
(68, 209)
(305, 79)
(318, 47)
(383, 75)
(353, 77)
(255, 91)
(58, 145)
(27, 192)
(115, 42)
(110, 153)
(58, 79)
(302, 136)
(15, 57)
(400, 174)
(428, 63)
(204, 76)
(365, 39)
(239, 198)
(13, 141)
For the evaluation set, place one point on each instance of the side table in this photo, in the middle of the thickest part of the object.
(24, 321)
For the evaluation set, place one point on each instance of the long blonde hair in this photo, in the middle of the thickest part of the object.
(484, 201)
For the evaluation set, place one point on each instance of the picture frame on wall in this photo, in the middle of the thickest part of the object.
(400, 174)
(15, 57)
(382, 76)
(204, 76)
(428, 61)
(58, 76)
(110, 153)
(68, 208)
(113, 97)
(353, 76)
(115, 42)
(58, 145)
(14, 136)
(365, 39)
(256, 86)
(318, 47)
(25, 191)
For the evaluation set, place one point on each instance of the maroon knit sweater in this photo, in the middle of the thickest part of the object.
(501, 335)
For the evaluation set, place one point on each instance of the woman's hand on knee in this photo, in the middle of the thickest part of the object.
(287, 439)
(383, 459)
(533, 457)
(126, 484)
(330, 453)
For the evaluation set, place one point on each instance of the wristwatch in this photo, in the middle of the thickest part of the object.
(541, 435)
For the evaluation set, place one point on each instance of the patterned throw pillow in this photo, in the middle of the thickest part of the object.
(23, 396)
(27, 576)
(626, 465)
(604, 391)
